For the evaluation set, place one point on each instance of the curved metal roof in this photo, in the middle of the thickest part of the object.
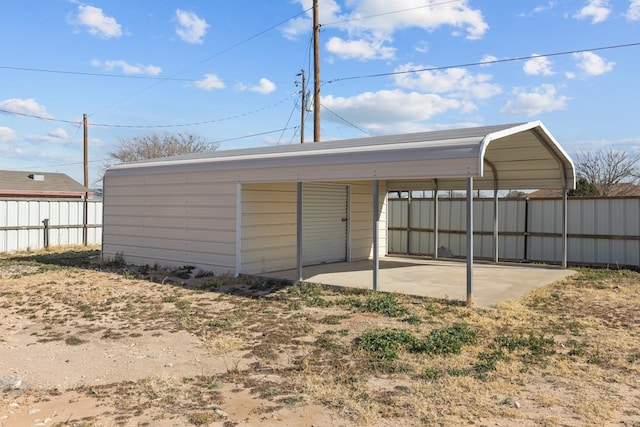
(511, 156)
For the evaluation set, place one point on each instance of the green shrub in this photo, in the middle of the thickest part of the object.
(385, 343)
(385, 304)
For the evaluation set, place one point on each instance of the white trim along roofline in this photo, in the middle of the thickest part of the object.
(454, 155)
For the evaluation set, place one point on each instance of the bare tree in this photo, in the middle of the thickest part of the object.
(606, 168)
(154, 146)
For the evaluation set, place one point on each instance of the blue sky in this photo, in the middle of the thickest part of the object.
(227, 71)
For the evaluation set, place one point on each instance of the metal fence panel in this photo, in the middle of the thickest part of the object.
(22, 228)
(600, 231)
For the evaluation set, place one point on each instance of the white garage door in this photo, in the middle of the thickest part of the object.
(324, 223)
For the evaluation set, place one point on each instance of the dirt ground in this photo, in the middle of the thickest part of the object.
(85, 342)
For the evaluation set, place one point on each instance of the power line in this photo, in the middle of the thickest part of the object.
(345, 120)
(339, 79)
(209, 143)
(390, 13)
(236, 116)
(251, 136)
(33, 116)
(240, 43)
(80, 73)
(222, 119)
(471, 64)
(293, 109)
(465, 65)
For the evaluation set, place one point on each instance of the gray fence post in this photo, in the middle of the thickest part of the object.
(46, 232)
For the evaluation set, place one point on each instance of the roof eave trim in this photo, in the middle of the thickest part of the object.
(508, 132)
(555, 149)
(570, 182)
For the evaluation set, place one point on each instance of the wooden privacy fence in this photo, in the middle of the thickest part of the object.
(603, 231)
(32, 224)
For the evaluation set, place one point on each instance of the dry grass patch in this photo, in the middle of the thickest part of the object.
(567, 354)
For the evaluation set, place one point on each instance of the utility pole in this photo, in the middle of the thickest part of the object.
(85, 216)
(86, 154)
(304, 105)
(316, 73)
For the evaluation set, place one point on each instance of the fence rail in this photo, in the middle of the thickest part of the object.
(600, 231)
(32, 224)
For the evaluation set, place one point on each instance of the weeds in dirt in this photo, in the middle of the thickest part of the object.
(74, 341)
(385, 344)
(385, 304)
(370, 358)
(203, 418)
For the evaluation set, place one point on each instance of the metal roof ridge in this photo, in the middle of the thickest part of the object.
(376, 143)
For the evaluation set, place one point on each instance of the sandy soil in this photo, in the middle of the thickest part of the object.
(84, 343)
(61, 364)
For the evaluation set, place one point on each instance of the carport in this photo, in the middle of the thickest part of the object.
(234, 210)
(503, 157)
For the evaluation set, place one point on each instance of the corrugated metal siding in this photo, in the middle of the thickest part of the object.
(511, 224)
(545, 216)
(361, 220)
(172, 220)
(601, 231)
(21, 226)
(604, 217)
(268, 227)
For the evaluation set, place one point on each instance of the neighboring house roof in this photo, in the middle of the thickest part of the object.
(626, 189)
(511, 156)
(39, 184)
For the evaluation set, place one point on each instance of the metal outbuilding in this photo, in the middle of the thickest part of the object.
(257, 210)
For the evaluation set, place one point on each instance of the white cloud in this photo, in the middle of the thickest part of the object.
(422, 47)
(487, 59)
(592, 64)
(542, 99)
(210, 82)
(539, 9)
(58, 133)
(633, 13)
(191, 28)
(374, 20)
(455, 14)
(127, 68)
(548, 6)
(27, 107)
(7, 134)
(97, 23)
(359, 49)
(11, 150)
(457, 82)
(538, 66)
(596, 10)
(328, 11)
(265, 87)
(378, 111)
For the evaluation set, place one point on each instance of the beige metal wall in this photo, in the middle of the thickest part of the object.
(269, 225)
(172, 220)
(189, 219)
(362, 219)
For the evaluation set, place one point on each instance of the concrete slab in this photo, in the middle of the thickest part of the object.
(492, 283)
